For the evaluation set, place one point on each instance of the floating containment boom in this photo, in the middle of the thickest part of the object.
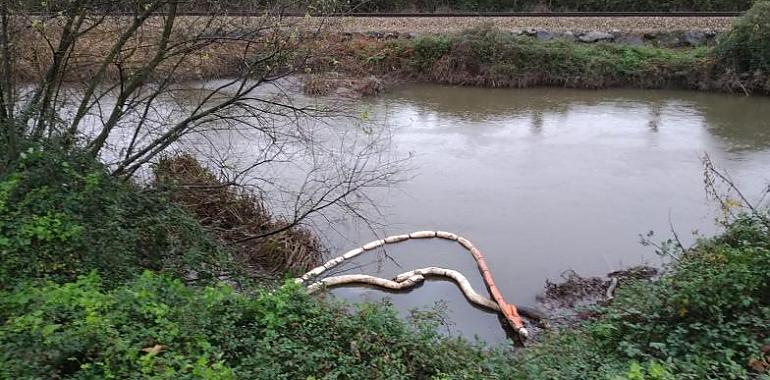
(406, 280)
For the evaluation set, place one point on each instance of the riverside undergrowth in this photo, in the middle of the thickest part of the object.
(156, 327)
(95, 286)
(491, 57)
(707, 317)
(62, 216)
(97, 283)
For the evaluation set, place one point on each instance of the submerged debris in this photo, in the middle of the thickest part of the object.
(569, 301)
(335, 84)
(574, 290)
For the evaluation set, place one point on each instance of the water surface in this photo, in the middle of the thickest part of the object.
(545, 180)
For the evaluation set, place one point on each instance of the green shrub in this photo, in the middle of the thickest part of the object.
(428, 50)
(62, 215)
(746, 48)
(705, 319)
(159, 328)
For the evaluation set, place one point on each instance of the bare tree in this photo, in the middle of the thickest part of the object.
(125, 81)
(732, 201)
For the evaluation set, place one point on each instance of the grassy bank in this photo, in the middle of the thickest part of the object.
(491, 57)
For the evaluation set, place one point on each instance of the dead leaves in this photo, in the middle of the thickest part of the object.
(761, 365)
(154, 350)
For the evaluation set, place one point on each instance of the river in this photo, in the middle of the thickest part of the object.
(546, 180)
(541, 180)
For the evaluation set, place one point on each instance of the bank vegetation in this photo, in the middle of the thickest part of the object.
(491, 57)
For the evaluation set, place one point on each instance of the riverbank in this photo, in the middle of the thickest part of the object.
(732, 60)
(657, 53)
(491, 57)
(73, 311)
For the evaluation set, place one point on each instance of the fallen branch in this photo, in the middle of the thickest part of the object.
(509, 311)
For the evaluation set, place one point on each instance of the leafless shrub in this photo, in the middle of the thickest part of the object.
(129, 87)
(233, 213)
(732, 201)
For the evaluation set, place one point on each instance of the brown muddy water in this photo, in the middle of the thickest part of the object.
(546, 180)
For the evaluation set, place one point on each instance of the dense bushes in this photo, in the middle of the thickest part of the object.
(159, 328)
(62, 215)
(491, 57)
(746, 48)
(707, 318)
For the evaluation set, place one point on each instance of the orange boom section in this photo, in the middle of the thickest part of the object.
(509, 310)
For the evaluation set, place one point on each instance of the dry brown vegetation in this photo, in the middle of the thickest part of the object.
(225, 51)
(260, 242)
(205, 47)
(342, 85)
(344, 63)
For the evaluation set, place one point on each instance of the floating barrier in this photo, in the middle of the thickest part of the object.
(409, 279)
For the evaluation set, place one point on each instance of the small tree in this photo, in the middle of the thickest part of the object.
(125, 81)
(746, 48)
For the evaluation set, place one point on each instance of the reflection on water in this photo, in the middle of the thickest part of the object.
(743, 122)
(545, 180)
